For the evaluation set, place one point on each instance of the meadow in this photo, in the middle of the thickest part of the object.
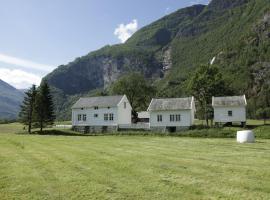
(131, 167)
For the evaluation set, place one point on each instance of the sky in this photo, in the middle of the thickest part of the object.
(37, 36)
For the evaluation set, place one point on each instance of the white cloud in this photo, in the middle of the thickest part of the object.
(123, 32)
(167, 10)
(25, 63)
(199, 2)
(18, 78)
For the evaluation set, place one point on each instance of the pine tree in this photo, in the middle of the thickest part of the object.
(44, 108)
(27, 108)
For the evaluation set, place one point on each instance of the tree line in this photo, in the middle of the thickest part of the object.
(37, 109)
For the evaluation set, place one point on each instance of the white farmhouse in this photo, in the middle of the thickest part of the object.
(171, 114)
(229, 109)
(100, 114)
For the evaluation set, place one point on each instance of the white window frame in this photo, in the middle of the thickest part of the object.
(178, 118)
(159, 118)
(106, 117)
(172, 118)
(84, 116)
(111, 116)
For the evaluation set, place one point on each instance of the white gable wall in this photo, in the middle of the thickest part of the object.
(95, 121)
(186, 118)
(124, 114)
(193, 111)
(238, 114)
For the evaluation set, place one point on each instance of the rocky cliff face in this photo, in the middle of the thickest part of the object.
(149, 55)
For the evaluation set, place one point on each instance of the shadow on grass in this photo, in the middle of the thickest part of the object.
(59, 133)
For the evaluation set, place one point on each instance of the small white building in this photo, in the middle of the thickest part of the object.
(143, 116)
(100, 114)
(229, 109)
(171, 114)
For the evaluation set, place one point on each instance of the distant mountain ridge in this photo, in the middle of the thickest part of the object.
(235, 32)
(10, 100)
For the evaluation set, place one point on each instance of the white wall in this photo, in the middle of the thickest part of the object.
(193, 111)
(186, 118)
(124, 114)
(238, 114)
(91, 120)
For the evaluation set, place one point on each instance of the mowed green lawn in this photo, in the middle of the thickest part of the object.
(130, 167)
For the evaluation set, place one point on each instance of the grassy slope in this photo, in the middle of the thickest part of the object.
(43, 167)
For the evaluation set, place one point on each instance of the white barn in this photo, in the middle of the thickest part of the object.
(171, 114)
(100, 114)
(229, 109)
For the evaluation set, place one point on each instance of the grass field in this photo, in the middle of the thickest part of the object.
(131, 167)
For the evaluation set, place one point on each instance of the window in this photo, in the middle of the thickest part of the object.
(105, 117)
(172, 118)
(125, 105)
(84, 118)
(178, 118)
(79, 117)
(230, 113)
(159, 118)
(96, 108)
(109, 107)
(111, 116)
(96, 115)
(81, 108)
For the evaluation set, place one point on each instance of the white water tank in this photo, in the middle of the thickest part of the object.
(245, 136)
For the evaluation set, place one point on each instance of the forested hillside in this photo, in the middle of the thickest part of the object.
(10, 100)
(234, 34)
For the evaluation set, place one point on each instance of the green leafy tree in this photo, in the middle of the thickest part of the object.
(205, 83)
(139, 92)
(44, 108)
(27, 108)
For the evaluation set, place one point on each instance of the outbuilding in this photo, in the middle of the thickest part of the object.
(171, 114)
(230, 109)
(143, 117)
(100, 114)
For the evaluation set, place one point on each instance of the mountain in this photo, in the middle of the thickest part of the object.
(235, 34)
(10, 100)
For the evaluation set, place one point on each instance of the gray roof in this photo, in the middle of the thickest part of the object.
(229, 101)
(102, 101)
(170, 104)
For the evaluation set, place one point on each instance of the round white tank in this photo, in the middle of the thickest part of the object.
(245, 137)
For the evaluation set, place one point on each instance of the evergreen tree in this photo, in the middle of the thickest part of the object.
(44, 108)
(27, 108)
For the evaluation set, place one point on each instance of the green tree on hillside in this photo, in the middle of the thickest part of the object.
(205, 83)
(44, 108)
(27, 108)
(139, 92)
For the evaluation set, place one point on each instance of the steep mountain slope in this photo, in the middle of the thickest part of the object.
(234, 32)
(10, 100)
